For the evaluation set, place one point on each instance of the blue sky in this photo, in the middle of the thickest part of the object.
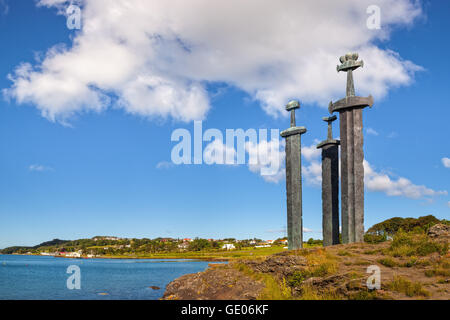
(75, 169)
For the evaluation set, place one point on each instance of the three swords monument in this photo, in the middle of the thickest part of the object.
(352, 169)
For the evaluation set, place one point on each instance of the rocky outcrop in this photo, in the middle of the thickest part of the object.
(280, 266)
(217, 283)
(440, 232)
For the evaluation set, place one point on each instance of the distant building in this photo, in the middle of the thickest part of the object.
(228, 246)
(106, 238)
(76, 254)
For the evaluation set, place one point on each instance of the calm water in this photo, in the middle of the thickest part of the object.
(38, 277)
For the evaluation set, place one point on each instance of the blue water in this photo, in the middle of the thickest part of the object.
(39, 277)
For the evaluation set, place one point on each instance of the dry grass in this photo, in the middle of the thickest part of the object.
(407, 287)
(274, 290)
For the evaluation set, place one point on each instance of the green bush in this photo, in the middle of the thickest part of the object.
(388, 262)
(414, 244)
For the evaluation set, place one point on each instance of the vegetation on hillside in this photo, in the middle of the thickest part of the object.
(387, 229)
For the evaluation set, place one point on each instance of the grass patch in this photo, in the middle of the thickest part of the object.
(319, 265)
(370, 252)
(414, 244)
(310, 293)
(437, 272)
(274, 290)
(387, 262)
(409, 288)
(344, 253)
(414, 262)
(364, 295)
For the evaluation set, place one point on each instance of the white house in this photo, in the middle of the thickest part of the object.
(74, 254)
(228, 246)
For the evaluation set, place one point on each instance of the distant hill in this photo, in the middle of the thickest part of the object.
(54, 242)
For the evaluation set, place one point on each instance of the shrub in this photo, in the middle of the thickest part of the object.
(414, 244)
(391, 226)
(375, 238)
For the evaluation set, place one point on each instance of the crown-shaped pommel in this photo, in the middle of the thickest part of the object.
(349, 62)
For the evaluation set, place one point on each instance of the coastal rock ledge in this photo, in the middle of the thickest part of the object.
(218, 282)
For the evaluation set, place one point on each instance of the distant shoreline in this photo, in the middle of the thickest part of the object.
(212, 259)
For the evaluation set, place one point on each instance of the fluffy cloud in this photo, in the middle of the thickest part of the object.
(216, 153)
(446, 162)
(39, 168)
(372, 132)
(374, 181)
(164, 165)
(382, 182)
(311, 152)
(154, 58)
(268, 159)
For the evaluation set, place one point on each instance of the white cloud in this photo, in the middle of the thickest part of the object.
(312, 168)
(4, 7)
(39, 168)
(392, 135)
(154, 58)
(164, 165)
(446, 162)
(374, 181)
(270, 157)
(216, 153)
(312, 173)
(372, 132)
(311, 152)
(448, 204)
(382, 182)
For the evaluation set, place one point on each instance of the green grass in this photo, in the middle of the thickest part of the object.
(414, 244)
(387, 262)
(318, 266)
(206, 255)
